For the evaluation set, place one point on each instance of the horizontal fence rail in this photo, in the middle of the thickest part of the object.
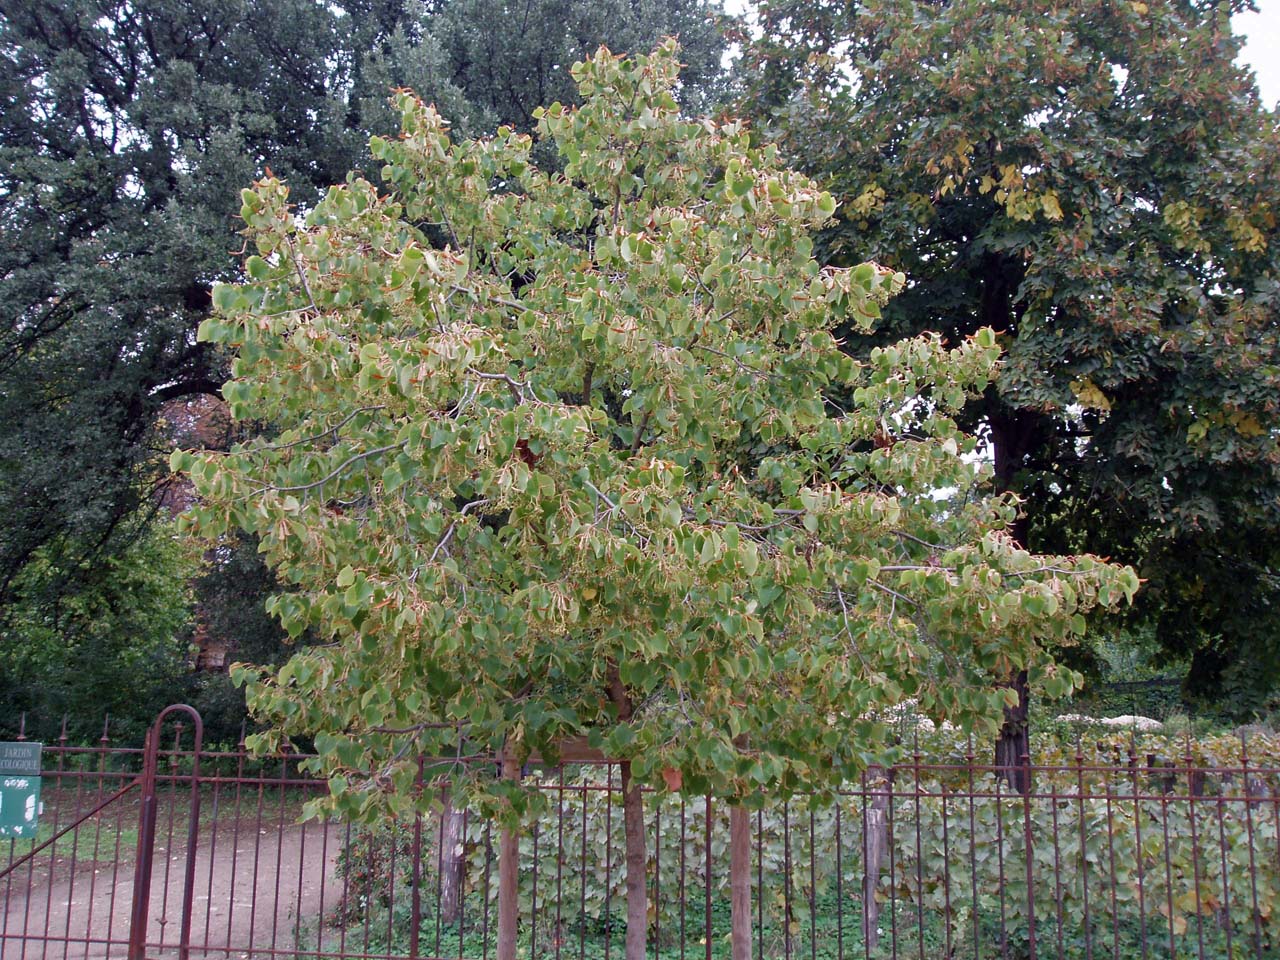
(1110, 855)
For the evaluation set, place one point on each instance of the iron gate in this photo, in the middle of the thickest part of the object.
(144, 854)
(173, 850)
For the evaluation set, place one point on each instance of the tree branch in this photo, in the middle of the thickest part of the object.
(448, 534)
(355, 458)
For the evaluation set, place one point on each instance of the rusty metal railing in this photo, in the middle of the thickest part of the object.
(1116, 852)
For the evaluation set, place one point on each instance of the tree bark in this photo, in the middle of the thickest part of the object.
(740, 881)
(1014, 434)
(875, 837)
(1014, 745)
(633, 831)
(637, 895)
(450, 862)
(508, 875)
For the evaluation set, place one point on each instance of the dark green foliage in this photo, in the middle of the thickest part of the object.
(127, 128)
(1099, 182)
(126, 132)
(118, 647)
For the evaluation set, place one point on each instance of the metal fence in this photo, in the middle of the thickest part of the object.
(201, 853)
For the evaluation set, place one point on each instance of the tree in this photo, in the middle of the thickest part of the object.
(1097, 182)
(597, 467)
(485, 64)
(116, 650)
(127, 130)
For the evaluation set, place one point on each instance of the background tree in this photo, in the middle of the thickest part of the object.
(117, 651)
(126, 130)
(1097, 182)
(597, 467)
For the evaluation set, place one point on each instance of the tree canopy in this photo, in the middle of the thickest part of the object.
(1097, 182)
(598, 466)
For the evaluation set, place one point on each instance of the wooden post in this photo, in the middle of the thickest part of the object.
(451, 862)
(508, 874)
(875, 826)
(637, 894)
(633, 832)
(740, 881)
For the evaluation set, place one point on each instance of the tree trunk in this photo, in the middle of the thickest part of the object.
(875, 837)
(508, 875)
(637, 895)
(450, 862)
(1014, 435)
(1014, 745)
(633, 831)
(740, 881)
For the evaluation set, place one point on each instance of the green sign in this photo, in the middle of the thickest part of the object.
(20, 759)
(19, 789)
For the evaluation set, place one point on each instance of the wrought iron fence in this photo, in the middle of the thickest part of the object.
(1110, 855)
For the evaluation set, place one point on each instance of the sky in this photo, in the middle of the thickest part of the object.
(1262, 49)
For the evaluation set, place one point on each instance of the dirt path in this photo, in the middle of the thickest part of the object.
(249, 889)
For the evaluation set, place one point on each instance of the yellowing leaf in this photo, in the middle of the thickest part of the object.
(1089, 395)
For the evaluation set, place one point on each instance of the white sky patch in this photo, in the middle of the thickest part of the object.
(1262, 47)
(1261, 51)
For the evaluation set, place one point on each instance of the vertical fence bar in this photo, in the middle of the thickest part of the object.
(559, 863)
(867, 891)
(840, 885)
(1189, 760)
(97, 839)
(786, 879)
(582, 882)
(683, 874)
(893, 866)
(1168, 874)
(1111, 860)
(53, 848)
(1030, 857)
(915, 771)
(706, 887)
(608, 861)
(213, 855)
(488, 862)
(969, 759)
(1057, 869)
(1004, 919)
(946, 874)
(533, 908)
(1247, 791)
(657, 876)
(75, 847)
(759, 938)
(813, 888)
(1137, 829)
(1084, 875)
